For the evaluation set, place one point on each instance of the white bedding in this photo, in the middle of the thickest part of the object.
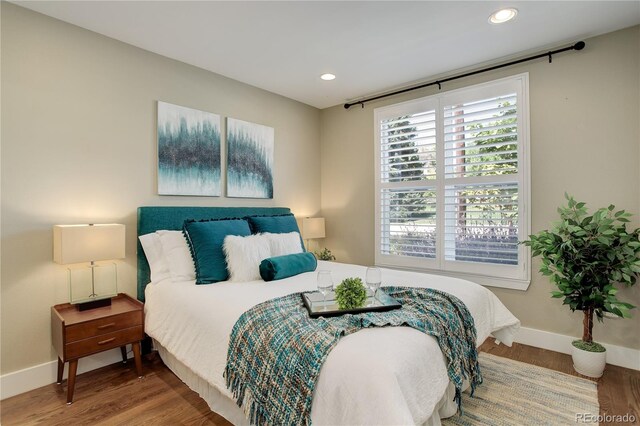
(392, 375)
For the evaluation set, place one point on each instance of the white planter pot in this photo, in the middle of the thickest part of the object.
(590, 364)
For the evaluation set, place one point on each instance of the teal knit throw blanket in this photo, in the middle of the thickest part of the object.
(276, 350)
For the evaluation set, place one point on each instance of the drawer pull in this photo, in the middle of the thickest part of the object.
(102, 327)
(104, 342)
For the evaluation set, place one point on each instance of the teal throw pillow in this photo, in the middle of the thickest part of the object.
(279, 267)
(279, 224)
(205, 240)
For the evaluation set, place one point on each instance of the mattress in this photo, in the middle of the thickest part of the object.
(391, 375)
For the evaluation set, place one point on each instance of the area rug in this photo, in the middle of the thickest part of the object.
(516, 393)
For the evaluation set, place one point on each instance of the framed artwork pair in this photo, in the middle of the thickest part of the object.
(189, 154)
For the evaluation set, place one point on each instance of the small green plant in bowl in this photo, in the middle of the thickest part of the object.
(325, 254)
(351, 293)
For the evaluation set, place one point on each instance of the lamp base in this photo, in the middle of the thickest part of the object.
(100, 303)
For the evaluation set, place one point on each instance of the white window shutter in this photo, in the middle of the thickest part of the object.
(452, 182)
(481, 160)
(407, 194)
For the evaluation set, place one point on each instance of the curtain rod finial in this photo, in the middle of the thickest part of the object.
(579, 45)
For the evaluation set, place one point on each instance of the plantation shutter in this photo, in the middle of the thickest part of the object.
(407, 191)
(452, 183)
(481, 180)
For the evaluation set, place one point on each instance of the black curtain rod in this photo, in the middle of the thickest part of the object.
(578, 46)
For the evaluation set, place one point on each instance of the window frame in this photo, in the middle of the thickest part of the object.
(494, 275)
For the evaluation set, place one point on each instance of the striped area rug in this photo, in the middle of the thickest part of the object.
(516, 393)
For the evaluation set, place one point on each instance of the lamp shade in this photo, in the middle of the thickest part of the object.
(312, 227)
(86, 243)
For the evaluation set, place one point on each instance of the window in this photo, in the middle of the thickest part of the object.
(452, 183)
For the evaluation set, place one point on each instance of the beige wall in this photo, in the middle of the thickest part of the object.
(78, 145)
(585, 140)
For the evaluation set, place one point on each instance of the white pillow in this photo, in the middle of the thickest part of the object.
(282, 244)
(177, 255)
(153, 251)
(244, 255)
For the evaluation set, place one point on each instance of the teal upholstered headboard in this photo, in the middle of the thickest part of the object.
(151, 219)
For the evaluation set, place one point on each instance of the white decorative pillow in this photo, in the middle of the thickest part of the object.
(177, 255)
(244, 255)
(282, 244)
(153, 251)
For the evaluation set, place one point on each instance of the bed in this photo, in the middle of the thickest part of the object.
(390, 375)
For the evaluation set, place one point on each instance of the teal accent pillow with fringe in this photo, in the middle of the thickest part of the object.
(279, 267)
(205, 240)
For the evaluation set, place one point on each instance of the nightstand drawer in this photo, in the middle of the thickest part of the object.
(102, 326)
(103, 342)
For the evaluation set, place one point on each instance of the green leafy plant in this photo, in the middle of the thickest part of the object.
(351, 293)
(586, 256)
(325, 254)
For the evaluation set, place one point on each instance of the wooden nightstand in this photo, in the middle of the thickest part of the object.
(77, 334)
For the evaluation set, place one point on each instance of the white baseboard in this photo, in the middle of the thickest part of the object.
(616, 355)
(44, 374)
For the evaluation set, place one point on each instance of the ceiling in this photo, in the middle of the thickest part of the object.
(371, 46)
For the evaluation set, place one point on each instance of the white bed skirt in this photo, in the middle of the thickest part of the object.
(218, 402)
(228, 409)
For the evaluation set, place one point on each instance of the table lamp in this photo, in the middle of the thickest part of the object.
(312, 228)
(74, 244)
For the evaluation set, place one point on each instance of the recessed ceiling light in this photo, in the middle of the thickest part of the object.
(503, 15)
(327, 77)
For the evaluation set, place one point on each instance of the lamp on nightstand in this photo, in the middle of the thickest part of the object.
(94, 286)
(312, 228)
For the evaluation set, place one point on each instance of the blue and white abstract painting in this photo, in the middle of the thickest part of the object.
(249, 159)
(188, 151)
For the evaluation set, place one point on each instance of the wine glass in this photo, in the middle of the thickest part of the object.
(325, 285)
(374, 279)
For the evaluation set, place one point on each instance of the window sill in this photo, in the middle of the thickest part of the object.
(510, 283)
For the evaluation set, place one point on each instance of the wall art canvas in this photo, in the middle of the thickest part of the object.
(188, 151)
(249, 159)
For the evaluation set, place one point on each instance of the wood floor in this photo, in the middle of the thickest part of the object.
(113, 395)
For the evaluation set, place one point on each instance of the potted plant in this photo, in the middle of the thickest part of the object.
(325, 254)
(586, 256)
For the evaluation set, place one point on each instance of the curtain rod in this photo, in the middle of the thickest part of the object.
(577, 46)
